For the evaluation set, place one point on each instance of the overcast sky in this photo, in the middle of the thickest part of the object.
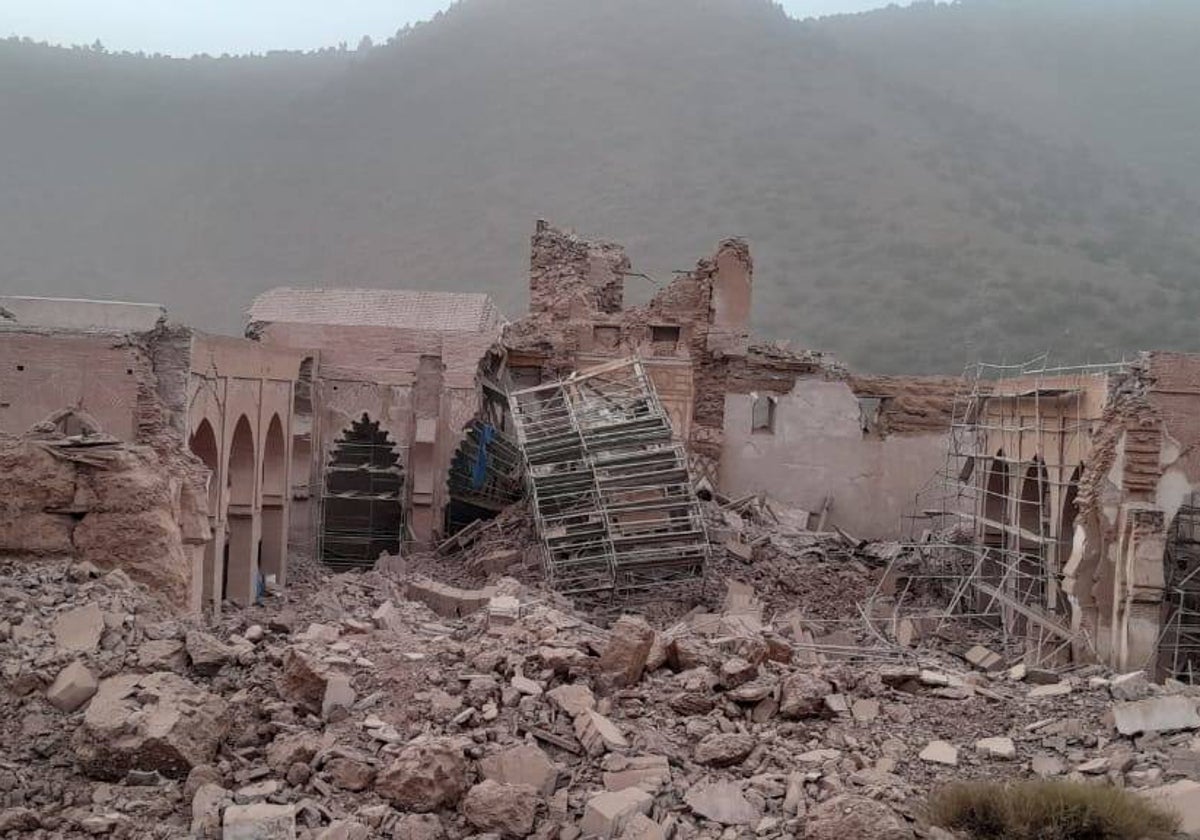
(184, 27)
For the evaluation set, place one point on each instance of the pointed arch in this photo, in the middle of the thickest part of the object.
(995, 501)
(240, 471)
(274, 467)
(1033, 514)
(203, 444)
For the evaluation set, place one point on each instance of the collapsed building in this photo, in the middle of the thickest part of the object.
(177, 445)
(1055, 505)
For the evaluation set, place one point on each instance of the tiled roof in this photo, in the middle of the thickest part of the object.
(399, 308)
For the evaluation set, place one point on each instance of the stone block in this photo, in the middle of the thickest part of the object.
(259, 821)
(1128, 687)
(722, 802)
(523, 765)
(338, 697)
(573, 699)
(425, 776)
(598, 734)
(651, 773)
(724, 749)
(940, 752)
(79, 630)
(448, 601)
(73, 687)
(1157, 714)
(507, 810)
(624, 657)
(1000, 747)
(984, 659)
(1041, 692)
(606, 814)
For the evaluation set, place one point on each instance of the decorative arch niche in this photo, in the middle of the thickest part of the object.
(362, 514)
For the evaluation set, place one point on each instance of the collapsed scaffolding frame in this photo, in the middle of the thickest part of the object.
(613, 500)
(999, 531)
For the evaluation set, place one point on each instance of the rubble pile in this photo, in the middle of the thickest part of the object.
(113, 504)
(347, 707)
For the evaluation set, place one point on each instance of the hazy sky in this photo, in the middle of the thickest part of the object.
(184, 27)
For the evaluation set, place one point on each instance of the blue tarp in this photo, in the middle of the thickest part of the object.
(487, 434)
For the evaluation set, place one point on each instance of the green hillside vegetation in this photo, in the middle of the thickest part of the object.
(921, 187)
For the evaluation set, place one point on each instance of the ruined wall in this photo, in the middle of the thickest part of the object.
(42, 372)
(570, 277)
(1174, 397)
(119, 507)
(818, 449)
(693, 337)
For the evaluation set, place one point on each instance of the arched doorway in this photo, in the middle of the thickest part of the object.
(995, 503)
(1033, 537)
(241, 556)
(362, 497)
(1066, 538)
(994, 536)
(203, 444)
(274, 502)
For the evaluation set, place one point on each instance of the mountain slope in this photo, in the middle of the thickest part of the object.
(899, 224)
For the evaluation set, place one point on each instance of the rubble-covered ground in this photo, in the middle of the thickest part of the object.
(386, 704)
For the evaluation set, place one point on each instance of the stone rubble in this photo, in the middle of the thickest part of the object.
(346, 707)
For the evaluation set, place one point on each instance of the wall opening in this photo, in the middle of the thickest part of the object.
(995, 503)
(274, 468)
(240, 580)
(1179, 642)
(1066, 537)
(605, 336)
(362, 514)
(203, 444)
(272, 550)
(240, 473)
(666, 336)
(762, 414)
(1033, 518)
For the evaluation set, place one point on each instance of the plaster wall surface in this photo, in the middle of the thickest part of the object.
(78, 314)
(41, 373)
(818, 449)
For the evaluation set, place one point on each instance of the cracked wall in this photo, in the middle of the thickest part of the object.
(694, 339)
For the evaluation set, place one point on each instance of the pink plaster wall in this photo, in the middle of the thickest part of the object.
(97, 373)
(818, 449)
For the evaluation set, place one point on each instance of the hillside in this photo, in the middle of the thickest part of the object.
(904, 220)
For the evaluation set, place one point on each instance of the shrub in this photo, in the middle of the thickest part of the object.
(1048, 810)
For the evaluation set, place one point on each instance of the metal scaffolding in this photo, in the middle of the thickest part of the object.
(994, 531)
(1179, 643)
(612, 496)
